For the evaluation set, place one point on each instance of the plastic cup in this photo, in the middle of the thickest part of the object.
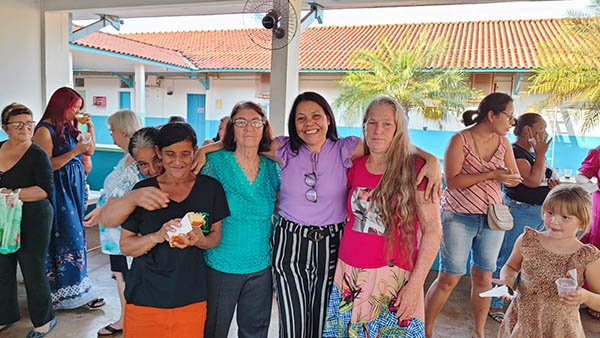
(85, 137)
(565, 285)
(80, 118)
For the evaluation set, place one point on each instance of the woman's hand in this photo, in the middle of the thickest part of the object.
(91, 219)
(162, 234)
(186, 240)
(576, 297)
(407, 300)
(199, 161)
(542, 143)
(553, 182)
(81, 147)
(149, 198)
(433, 171)
(507, 177)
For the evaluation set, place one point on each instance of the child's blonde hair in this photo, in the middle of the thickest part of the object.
(571, 199)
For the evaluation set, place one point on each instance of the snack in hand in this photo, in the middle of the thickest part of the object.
(196, 219)
(179, 233)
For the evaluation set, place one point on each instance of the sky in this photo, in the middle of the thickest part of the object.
(477, 12)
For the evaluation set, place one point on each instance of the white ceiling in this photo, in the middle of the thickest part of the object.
(87, 9)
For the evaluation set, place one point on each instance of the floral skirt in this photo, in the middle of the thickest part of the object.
(361, 304)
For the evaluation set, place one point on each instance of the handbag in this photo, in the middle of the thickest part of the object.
(498, 215)
(11, 211)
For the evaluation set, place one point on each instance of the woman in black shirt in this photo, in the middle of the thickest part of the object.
(25, 166)
(166, 287)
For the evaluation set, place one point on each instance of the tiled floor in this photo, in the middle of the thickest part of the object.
(454, 322)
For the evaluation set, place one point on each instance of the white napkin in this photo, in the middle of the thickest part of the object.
(185, 227)
(496, 291)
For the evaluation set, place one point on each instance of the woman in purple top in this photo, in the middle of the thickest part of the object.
(312, 212)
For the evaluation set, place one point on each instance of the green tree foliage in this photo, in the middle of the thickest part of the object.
(403, 70)
(570, 70)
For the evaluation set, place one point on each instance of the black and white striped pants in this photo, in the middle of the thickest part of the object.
(304, 260)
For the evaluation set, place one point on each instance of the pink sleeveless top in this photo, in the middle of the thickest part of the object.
(475, 199)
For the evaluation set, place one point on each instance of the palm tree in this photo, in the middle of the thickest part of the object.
(402, 70)
(570, 70)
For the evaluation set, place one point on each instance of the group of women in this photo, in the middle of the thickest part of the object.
(344, 229)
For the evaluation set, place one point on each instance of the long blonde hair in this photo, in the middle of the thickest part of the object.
(395, 195)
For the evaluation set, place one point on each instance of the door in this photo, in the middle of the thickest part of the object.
(124, 100)
(196, 109)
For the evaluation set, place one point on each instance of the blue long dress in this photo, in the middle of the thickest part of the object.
(66, 263)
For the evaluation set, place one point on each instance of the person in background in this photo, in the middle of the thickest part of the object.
(477, 160)
(538, 309)
(239, 274)
(525, 200)
(121, 179)
(25, 166)
(176, 118)
(166, 286)
(391, 238)
(66, 264)
(590, 167)
(220, 132)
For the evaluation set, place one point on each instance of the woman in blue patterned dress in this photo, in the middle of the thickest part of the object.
(66, 263)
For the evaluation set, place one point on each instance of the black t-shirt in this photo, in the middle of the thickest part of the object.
(523, 193)
(168, 277)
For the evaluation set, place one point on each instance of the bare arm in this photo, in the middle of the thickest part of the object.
(511, 268)
(431, 236)
(200, 155)
(514, 177)
(116, 210)
(42, 138)
(212, 239)
(428, 214)
(134, 245)
(32, 194)
(432, 170)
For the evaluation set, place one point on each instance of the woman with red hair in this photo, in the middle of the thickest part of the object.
(66, 263)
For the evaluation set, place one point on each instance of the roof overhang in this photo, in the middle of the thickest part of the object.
(88, 9)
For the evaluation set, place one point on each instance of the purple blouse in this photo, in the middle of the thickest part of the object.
(330, 166)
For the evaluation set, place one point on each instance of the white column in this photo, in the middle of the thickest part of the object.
(284, 77)
(21, 65)
(57, 66)
(139, 105)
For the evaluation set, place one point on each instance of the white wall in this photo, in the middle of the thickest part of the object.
(21, 50)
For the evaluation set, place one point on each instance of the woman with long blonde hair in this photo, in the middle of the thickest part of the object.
(391, 238)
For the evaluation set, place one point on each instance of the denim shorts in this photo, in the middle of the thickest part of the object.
(464, 234)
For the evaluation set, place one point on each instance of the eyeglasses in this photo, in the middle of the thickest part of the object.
(242, 123)
(510, 117)
(20, 125)
(310, 179)
(145, 165)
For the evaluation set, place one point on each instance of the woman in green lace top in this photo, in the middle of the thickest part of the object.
(239, 269)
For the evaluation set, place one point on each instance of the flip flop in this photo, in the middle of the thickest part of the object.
(36, 334)
(95, 304)
(110, 329)
(496, 316)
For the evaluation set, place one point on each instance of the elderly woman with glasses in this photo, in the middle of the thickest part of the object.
(239, 272)
(25, 166)
(122, 125)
